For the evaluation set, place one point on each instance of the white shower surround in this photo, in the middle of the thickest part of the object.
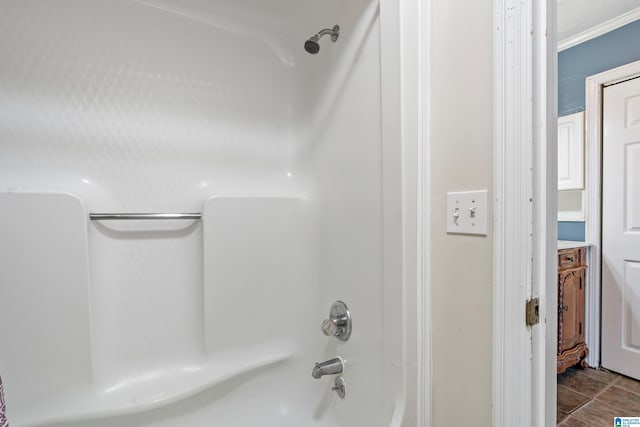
(198, 106)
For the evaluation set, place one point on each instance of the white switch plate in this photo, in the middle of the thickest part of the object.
(467, 212)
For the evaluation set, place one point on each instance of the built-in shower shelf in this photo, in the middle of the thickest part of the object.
(145, 391)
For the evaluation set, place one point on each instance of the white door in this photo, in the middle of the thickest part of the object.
(621, 228)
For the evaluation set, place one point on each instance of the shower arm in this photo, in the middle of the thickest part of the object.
(330, 31)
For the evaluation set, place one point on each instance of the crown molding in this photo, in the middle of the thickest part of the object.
(600, 29)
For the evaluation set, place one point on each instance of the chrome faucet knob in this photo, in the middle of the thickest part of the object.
(329, 328)
(339, 322)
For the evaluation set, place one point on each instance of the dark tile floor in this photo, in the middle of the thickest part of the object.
(593, 397)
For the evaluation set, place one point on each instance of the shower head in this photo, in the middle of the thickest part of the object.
(313, 46)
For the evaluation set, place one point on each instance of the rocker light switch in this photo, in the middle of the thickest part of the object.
(467, 212)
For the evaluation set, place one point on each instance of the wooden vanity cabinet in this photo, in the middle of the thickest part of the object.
(571, 289)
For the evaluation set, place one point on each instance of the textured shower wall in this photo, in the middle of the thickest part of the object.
(158, 105)
(134, 108)
(137, 108)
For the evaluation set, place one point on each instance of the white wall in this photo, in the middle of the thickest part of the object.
(461, 159)
(345, 153)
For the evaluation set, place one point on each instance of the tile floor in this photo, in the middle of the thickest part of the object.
(593, 397)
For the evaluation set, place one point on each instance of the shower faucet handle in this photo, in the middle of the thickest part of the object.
(329, 327)
(339, 322)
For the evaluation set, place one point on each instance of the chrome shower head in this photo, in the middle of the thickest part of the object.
(312, 46)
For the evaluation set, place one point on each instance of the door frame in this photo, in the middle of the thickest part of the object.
(525, 206)
(593, 199)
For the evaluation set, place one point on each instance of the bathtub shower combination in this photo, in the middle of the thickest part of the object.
(192, 215)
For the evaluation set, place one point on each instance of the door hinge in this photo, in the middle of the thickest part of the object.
(533, 311)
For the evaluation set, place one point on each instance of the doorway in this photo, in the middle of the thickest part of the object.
(583, 395)
(595, 86)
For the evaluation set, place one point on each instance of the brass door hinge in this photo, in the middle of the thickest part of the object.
(533, 312)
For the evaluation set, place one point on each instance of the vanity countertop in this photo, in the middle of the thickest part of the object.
(570, 244)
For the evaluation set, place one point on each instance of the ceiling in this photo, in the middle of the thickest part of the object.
(574, 16)
(577, 16)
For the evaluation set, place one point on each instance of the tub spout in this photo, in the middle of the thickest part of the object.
(330, 367)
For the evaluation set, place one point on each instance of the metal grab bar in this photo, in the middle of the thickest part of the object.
(143, 216)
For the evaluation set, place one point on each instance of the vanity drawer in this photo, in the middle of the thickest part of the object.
(570, 258)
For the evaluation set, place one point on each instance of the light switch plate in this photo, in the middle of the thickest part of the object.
(467, 212)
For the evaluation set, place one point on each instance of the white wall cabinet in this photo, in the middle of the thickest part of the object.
(571, 152)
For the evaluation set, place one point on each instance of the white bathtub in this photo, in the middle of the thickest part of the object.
(208, 107)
